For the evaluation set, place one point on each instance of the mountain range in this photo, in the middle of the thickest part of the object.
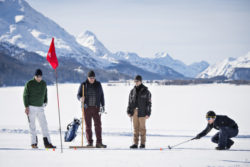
(25, 30)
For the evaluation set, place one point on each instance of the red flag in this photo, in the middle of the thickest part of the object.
(51, 56)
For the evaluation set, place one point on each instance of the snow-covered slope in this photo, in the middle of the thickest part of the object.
(161, 64)
(89, 40)
(227, 67)
(163, 58)
(23, 26)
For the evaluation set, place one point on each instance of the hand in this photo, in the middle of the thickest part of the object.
(27, 110)
(82, 99)
(147, 117)
(197, 137)
(102, 109)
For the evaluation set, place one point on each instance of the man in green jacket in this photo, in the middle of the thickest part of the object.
(35, 99)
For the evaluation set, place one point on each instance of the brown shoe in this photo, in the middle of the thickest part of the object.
(34, 145)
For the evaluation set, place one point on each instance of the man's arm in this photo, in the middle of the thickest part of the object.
(204, 132)
(46, 96)
(148, 104)
(79, 94)
(26, 95)
(102, 96)
(129, 110)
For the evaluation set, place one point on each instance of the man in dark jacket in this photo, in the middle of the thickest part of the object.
(139, 109)
(227, 129)
(35, 99)
(93, 102)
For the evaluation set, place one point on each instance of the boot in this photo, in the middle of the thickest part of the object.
(134, 146)
(47, 144)
(89, 145)
(100, 145)
(34, 145)
(229, 145)
(220, 148)
(142, 146)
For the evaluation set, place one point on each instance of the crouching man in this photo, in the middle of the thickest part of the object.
(227, 129)
(35, 99)
(139, 109)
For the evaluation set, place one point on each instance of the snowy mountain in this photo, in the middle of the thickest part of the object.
(23, 26)
(18, 65)
(232, 68)
(192, 70)
(162, 64)
(26, 28)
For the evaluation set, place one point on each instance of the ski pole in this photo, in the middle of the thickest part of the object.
(170, 147)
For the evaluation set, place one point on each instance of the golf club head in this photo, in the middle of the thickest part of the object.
(169, 148)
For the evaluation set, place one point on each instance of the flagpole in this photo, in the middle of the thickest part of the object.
(60, 129)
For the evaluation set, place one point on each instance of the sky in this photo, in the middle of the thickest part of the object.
(189, 30)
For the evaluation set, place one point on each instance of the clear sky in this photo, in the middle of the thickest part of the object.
(189, 30)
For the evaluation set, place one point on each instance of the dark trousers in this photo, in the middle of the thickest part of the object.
(89, 114)
(222, 138)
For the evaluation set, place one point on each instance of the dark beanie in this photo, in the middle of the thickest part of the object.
(210, 114)
(91, 73)
(138, 78)
(38, 72)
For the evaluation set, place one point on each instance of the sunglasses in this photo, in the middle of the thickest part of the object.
(209, 118)
(91, 77)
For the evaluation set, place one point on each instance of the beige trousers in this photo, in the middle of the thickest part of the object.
(139, 128)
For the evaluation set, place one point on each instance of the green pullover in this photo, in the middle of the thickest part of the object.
(35, 93)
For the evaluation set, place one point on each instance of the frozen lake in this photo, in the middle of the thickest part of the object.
(178, 113)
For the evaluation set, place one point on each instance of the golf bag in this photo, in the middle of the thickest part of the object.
(71, 132)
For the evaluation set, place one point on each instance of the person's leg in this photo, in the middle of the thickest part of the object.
(232, 132)
(98, 125)
(43, 123)
(215, 138)
(88, 124)
(142, 129)
(32, 125)
(224, 137)
(136, 127)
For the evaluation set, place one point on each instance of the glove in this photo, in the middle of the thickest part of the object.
(44, 104)
(102, 110)
(197, 137)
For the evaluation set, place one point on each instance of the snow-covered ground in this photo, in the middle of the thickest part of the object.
(178, 113)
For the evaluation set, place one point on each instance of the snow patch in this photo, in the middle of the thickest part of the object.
(79, 70)
(12, 28)
(41, 53)
(19, 18)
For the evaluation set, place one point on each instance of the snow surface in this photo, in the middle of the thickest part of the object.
(19, 18)
(177, 115)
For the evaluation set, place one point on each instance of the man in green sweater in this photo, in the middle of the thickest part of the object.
(35, 99)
